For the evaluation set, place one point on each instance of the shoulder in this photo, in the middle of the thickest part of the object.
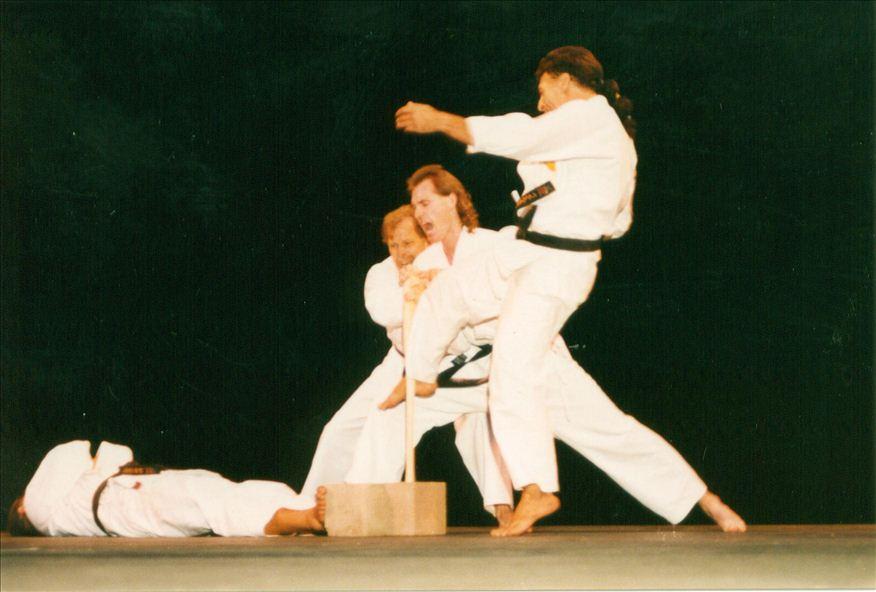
(592, 110)
(385, 268)
(431, 257)
(486, 236)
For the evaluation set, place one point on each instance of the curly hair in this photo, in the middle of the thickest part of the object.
(445, 184)
(580, 63)
(396, 217)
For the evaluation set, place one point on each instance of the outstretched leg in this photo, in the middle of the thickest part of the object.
(637, 458)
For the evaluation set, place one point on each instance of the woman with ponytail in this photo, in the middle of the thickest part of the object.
(577, 162)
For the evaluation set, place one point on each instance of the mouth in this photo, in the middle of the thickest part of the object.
(428, 227)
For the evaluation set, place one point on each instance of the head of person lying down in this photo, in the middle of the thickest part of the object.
(17, 522)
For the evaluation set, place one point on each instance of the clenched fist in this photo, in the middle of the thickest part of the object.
(417, 118)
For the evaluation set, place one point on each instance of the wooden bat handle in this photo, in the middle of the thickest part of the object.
(410, 462)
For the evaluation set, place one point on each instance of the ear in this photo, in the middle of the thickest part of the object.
(564, 80)
(452, 197)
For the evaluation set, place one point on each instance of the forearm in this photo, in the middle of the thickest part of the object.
(454, 127)
(418, 118)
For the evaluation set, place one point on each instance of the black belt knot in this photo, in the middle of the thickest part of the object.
(445, 377)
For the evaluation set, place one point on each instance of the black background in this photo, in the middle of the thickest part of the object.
(192, 195)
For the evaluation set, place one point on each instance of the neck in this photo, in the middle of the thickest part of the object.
(450, 239)
(580, 92)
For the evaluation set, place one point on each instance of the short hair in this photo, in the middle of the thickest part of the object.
(445, 184)
(396, 217)
(19, 525)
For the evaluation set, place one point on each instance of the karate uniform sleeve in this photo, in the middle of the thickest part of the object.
(570, 131)
(432, 257)
(383, 296)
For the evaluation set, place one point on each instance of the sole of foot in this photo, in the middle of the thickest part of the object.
(534, 505)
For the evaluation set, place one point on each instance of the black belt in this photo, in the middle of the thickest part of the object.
(131, 468)
(553, 242)
(536, 194)
(445, 377)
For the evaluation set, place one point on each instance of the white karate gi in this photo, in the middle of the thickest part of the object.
(380, 452)
(579, 413)
(58, 499)
(584, 151)
(340, 439)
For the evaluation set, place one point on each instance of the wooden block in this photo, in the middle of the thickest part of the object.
(386, 509)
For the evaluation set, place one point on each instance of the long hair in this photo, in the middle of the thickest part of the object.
(580, 63)
(445, 184)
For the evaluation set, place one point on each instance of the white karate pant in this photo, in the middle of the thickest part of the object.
(337, 443)
(380, 454)
(190, 503)
(580, 414)
(636, 458)
(532, 290)
(533, 394)
(342, 436)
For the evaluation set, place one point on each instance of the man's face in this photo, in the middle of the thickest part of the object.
(551, 91)
(435, 213)
(405, 243)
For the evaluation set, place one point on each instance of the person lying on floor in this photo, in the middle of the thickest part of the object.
(75, 494)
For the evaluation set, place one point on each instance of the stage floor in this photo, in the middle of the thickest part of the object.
(579, 557)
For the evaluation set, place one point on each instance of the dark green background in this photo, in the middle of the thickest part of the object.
(192, 194)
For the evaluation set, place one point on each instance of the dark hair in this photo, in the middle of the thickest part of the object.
(445, 184)
(17, 523)
(580, 63)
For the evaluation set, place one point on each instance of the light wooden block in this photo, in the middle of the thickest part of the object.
(386, 509)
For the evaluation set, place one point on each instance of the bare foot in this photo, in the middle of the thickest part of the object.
(534, 505)
(286, 521)
(726, 518)
(503, 514)
(320, 506)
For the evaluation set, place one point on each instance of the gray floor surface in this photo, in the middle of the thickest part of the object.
(553, 558)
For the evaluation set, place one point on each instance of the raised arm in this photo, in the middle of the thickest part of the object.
(549, 136)
(418, 118)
